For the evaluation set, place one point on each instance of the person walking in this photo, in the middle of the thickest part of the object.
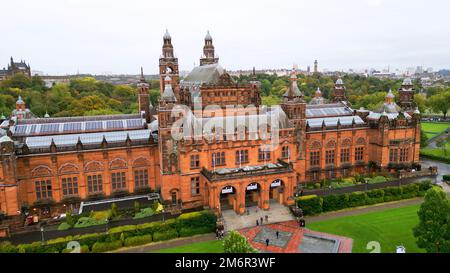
(267, 218)
(257, 222)
(217, 233)
(267, 242)
(277, 233)
(261, 220)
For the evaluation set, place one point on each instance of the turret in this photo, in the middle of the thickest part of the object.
(208, 56)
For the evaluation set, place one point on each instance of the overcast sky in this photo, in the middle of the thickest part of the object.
(120, 36)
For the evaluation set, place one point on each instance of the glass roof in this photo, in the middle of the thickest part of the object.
(76, 127)
(86, 139)
(345, 120)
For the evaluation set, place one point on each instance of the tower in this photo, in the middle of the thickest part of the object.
(143, 98)
(339, 91)
(406, 96)
(208, 56)
(316, 64)
(167, 145)
(168, 64)
(295, 108)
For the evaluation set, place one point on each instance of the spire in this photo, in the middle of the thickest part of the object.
(168, 94)
(167, 35)
(142, 75)
(208, 36)
(318, 92)
(390, 97)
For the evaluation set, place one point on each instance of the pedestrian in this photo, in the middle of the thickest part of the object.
(267, 242)
(267, 218)
(301, 193)
(248, 212)
(221, 234)
(261, 220)
(277, 233)
(257, 222)
(217, 233)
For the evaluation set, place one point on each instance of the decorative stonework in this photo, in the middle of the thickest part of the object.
(93, 166)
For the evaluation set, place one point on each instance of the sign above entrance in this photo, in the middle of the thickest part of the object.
(252, 186)
(276, 183)
(228, 189)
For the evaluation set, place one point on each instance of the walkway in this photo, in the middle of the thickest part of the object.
(443, 168)
(288, 237)
(276, 213)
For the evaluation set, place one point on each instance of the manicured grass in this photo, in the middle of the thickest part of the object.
(215, 246)
(435, 152)
(391, 228)
(432, 129)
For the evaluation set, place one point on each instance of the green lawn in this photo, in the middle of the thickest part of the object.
(436, 152)
(215, 246)
(391, 228)
(432, 129)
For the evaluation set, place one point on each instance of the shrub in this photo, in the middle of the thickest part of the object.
(114, 211)
(425, 185)
(200, 219)
(446, 177)
(147, 212)
(186, 232)
(165, 235)
(88, 222)
(356, 199)
(138, 240)
(410, 191)
(106, 246)
(64, 226)
(377, 179)
(83, 249)
(89, 239)
(335, 202)
(236, 243)
(126, 230)
(317, 186)
(70, 220)
(137, 207)
(310, 204)
(392, 194)
(375, 196)
(7, 247)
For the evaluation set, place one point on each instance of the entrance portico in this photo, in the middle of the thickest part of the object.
(237, 189)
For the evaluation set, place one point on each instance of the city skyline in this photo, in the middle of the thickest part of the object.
(74, 36)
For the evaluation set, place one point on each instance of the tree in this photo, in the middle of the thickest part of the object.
(236, 243)
(423, 139)
(433, 231)
(441, 142)
(266, 86)
(440, 103)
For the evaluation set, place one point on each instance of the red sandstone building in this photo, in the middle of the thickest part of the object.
(54, 163)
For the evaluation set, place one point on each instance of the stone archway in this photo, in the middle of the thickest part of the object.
(253, 195)
(228, 198)
(276, 191)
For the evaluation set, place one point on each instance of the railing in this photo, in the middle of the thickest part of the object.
(265, 170)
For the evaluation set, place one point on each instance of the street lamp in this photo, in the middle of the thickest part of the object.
(42, 235)
(162, 211)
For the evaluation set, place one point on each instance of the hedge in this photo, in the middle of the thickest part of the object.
(446, 177)
(335, 202)
(106, 246)
(374, 197)
(166, 235)
(312, 204)
(357, 198)
(138, 240)
(185, 225)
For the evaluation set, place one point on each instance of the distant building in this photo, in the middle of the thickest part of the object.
(15, 68)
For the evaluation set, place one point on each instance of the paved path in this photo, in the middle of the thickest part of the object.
(168, 244)
(443, 168)
(276, 213)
